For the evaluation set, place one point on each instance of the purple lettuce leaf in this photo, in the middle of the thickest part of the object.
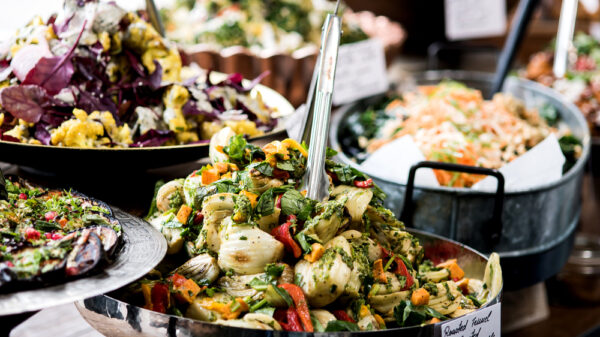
(235, 81)
(191, 109)
(27, 58)
(153, 138)
(42, 134)
(24, 101)
(54, 73)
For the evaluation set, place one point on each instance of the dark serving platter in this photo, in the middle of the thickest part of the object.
(142, 248)
(65, 159)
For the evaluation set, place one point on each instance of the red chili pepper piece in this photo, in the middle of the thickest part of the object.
(364, 183)
(282, 234)
(48, 236)
(56, 236)
(160, 297)
(23, 196)
(342, 316)
(300, 304)
(278, 201)
(32, 234)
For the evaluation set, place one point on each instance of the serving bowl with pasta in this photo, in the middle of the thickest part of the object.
(247, 249)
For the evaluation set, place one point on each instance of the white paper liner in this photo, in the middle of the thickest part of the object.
(540, 165)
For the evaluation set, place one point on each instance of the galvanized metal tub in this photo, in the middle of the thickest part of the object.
(538, 224)
(113, 317)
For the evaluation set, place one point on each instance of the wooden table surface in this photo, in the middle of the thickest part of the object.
(133, 193)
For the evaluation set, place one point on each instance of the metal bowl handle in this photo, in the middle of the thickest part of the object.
(495, 223)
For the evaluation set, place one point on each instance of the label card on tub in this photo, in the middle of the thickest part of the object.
(361, 71)
(480, 323)
(468, 19)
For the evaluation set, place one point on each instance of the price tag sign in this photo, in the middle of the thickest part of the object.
(480, 323)
(469, 19)
(361, 71)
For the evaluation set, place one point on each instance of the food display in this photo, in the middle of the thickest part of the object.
(248, 249)
(581, 84)
(96, 76)
(450, 122)
(262, 26)
(51, 236)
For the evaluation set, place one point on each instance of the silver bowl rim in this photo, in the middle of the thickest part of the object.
(497, 299)
(484, 77)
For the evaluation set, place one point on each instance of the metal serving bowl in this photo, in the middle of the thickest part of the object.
(581, 275)
(536, 228)
(113, 317)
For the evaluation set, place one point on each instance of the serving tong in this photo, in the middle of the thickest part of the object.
(315, 180)
(564, 37)
(154, 17)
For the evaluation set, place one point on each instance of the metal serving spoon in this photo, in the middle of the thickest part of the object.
(315, 180)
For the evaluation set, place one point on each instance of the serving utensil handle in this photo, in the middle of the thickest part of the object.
(494, 226)
(564, 37)
(154, 17)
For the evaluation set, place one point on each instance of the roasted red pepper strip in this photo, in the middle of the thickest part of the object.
(278, 202)
(342, 316)
(364, 183)
(283, 235)
(178, 280)
(300, 304)
(402, 270)
(160, 297)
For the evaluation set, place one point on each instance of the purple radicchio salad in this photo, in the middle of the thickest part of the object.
(96, 76)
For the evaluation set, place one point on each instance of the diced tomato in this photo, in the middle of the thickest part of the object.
(198, 218)
(56, 236)
(48, 236)
(160, 297)
(283, 235)
(50, 215)
(364, 183)
(32, 234)
(23, 196)
(10, 264)
(342, 316)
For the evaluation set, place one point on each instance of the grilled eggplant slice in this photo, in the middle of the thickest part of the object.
(86, 255)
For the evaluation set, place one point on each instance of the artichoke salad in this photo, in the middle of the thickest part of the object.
(97, 76)
(48, 236)
(450, 122)
(259, 254)
(262, 26)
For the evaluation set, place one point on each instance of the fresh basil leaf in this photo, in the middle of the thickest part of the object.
(264, 168)
(341, 326)
(293, 202)
(235, 149)
(273, 270)
(266, 203)
(286, 165)
(330, 153)
(408, 315)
